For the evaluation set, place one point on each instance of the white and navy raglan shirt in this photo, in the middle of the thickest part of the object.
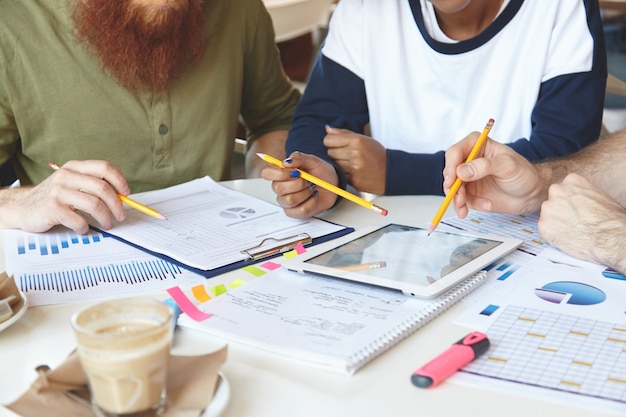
(539, 70)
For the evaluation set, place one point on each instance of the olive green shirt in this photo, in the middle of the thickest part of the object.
(57, 104)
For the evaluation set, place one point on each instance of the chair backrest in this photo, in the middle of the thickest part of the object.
(7, 174)
(616, 87)
(294, 18)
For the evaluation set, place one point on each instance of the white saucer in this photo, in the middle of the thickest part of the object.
(220, 399)
(16, 316)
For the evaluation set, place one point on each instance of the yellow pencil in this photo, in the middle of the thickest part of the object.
(131, 203)
(327, 186)
(362, 267)
(457, 183)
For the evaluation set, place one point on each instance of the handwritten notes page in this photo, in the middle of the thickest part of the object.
(328, 323)
(208, 225)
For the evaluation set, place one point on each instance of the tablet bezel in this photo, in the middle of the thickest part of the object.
(444, 283)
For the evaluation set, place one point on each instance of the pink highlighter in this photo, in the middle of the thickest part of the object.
(451, 360)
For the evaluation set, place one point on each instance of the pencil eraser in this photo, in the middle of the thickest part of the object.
(384, 212)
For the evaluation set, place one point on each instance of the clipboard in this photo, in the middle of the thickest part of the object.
(271, 246)
(211, 229)
(267, 248)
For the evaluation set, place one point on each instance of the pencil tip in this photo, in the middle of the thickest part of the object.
(162, 217)
(431, 229)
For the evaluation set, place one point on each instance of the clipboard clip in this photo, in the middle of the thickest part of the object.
(272, 246)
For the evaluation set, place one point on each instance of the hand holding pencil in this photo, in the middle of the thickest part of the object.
(325, 185)
(79, 187)
(457, 183)
(128, 201)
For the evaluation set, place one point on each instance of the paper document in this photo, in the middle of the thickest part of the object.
(60, 266)
(328, 323)
(209, 226)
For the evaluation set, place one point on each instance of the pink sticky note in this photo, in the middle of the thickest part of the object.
(186, 305)
(299, 248)
(270, 266)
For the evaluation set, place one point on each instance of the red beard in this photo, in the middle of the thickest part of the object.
(142, 44)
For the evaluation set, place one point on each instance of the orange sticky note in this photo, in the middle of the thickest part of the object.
(199, 292)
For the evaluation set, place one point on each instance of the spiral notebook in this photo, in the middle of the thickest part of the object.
(331, 324)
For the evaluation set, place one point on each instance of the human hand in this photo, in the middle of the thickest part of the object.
(498, 180)
(78, 186)
(584, 222)
(299, 198)
(363, 159)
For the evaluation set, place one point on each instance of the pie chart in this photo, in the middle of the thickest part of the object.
(237, 213)
(569, 292)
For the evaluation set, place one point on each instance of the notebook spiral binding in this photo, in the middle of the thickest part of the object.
(441, 304)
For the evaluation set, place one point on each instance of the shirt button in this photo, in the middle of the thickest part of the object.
(163, 129)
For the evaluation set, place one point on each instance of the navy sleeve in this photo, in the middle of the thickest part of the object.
(334, 96)
(567, 116)
(414, 173)
(568, 113)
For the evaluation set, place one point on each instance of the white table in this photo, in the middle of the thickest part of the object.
(263, 385)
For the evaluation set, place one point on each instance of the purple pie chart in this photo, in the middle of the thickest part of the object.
(569, 292)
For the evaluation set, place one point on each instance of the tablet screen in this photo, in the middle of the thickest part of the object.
(405, 253)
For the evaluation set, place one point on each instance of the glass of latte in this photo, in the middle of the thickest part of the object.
(124, 346)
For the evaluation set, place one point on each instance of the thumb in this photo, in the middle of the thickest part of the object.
(331, 130)
(466, 172)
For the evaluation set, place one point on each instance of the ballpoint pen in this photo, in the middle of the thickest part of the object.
(131, 203)
(457, 183)
(327, 186)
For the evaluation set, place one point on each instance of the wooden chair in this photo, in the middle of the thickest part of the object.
(617, 87)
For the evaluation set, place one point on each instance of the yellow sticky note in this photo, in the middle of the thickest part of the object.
(290, 254)
(219, 290)
(236, 283)
(254, 270)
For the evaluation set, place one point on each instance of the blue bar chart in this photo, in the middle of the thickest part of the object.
(62, 266)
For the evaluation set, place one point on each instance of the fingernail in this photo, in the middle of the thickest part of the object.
(467, 170)
(294, 174)
(288, 160)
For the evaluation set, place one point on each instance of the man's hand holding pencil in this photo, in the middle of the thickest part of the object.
(497, 180)
(78, 186)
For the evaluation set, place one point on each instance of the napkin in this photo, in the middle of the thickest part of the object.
(8, 288)
(62, 392)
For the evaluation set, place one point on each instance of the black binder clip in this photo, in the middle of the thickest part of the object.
(272, 246)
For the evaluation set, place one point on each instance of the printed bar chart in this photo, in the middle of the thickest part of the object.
(61, 266)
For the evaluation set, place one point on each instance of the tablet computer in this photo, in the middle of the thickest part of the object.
(405, 257)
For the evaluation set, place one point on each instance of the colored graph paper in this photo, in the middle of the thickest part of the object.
(556, 351)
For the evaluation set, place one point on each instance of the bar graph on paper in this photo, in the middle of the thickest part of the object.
(61, 266)
(556, 351)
